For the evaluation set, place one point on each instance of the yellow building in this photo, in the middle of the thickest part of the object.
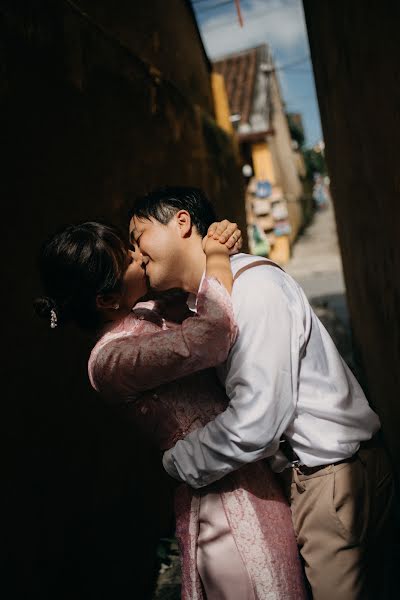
(257, 115)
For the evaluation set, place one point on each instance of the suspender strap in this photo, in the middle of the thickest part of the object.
(285, 447)
(256, 263)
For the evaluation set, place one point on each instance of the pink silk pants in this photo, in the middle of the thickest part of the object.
(220, 566)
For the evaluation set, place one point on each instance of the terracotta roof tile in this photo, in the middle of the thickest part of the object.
(239, 72)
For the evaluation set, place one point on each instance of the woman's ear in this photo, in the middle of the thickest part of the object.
(108, 301)
(184, 223)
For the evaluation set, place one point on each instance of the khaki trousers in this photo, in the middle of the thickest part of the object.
(342, 520)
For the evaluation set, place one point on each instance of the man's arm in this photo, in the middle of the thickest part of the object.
(262, 381)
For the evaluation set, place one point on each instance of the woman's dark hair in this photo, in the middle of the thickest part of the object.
(76, 264)
(163, 203)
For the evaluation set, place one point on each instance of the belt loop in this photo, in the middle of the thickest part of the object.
(299, 484)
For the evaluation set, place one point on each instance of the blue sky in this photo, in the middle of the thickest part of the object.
(280, 23)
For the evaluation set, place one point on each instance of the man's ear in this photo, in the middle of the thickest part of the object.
(108, 301)
(184, 223)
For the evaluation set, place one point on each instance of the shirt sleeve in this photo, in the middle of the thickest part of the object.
(261, 382)
(134, 363)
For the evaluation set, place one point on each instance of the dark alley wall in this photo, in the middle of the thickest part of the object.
(95, 109)
(355, 52)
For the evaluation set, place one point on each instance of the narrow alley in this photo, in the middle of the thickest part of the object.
(316, 265)
(283, 115)
(316, 262)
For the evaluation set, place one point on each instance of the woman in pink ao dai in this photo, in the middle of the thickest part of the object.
(236, 535)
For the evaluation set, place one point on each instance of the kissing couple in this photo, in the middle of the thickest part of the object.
(285, 491)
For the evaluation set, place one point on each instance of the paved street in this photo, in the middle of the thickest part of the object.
(316, 264)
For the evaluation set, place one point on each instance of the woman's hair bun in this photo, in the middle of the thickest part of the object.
(76, 264)
(45, 308)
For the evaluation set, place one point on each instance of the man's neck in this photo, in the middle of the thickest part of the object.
(192, 272)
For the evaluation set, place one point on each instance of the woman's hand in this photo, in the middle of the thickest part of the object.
(222, 240)
(215, 247)
(226, 233)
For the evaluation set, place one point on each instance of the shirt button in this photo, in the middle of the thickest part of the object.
(155, 396)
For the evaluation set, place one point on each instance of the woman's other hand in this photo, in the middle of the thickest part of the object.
(226, 233)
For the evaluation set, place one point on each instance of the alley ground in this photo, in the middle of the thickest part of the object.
(316, 262)
(316, 265)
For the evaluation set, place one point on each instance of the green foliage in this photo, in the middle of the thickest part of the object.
(296, 131)
(315, 163)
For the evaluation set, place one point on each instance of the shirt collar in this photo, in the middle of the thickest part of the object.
(192, 298)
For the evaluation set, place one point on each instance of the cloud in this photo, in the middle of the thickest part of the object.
(279, 23)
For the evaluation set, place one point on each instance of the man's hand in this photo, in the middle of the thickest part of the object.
(226, 233)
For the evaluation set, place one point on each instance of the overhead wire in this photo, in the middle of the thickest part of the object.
(294, 63)
(196, 2)
(248, 17)
(214, 6)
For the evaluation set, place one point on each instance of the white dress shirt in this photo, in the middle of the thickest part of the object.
(283, 376)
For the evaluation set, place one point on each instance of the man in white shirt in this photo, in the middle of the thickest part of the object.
(292, 400)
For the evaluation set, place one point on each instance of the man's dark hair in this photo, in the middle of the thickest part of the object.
(163, 203)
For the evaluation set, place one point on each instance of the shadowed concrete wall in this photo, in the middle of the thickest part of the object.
(89, 119)
(355, 53)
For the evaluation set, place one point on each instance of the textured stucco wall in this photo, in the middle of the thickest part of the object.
(285, 167)
(85, 126)
(355, 52)
(282, 145)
